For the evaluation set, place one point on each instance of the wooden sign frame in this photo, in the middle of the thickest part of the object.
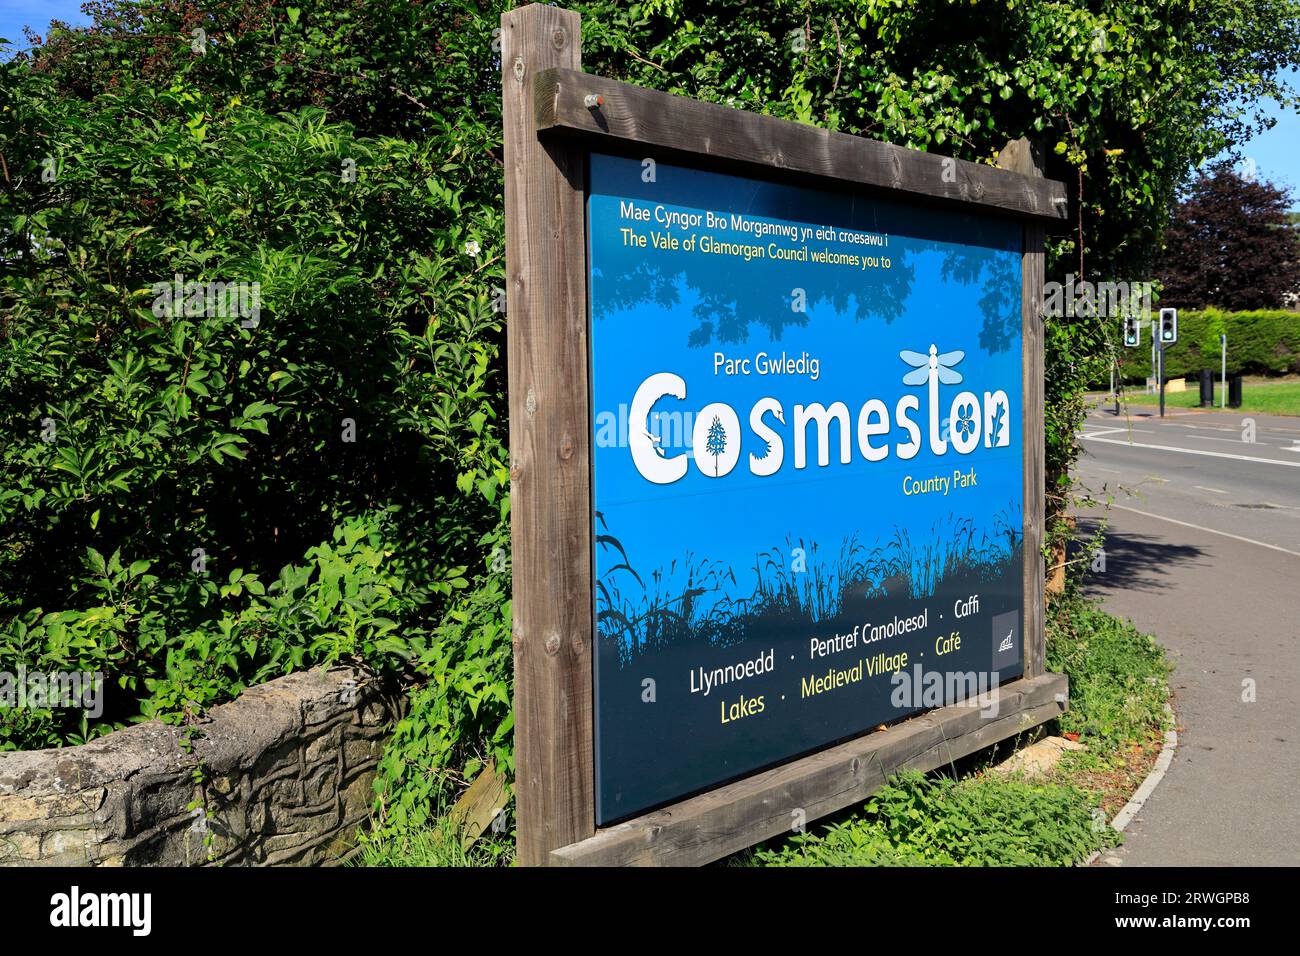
(550, 124)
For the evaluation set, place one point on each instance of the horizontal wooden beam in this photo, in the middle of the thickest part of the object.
(633, 115)
(768, 804)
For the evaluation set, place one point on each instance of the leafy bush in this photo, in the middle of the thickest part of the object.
(459, 718)
(936, 821)
(1264, 343)
(349, 600)
(200, 453)
(193, 500)
(1119, 676)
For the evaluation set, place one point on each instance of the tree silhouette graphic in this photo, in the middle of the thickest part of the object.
(716, 442)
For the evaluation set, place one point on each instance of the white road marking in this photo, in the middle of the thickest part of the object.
(1193, 451)
(1197, 527)
(1107, 418)
(1235, 440)
(1217, 491)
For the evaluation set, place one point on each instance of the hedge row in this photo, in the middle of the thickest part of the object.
(1266, 342)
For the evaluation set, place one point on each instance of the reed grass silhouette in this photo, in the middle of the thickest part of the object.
(796, 585)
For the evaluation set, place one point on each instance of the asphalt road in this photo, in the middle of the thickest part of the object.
(1202, 549)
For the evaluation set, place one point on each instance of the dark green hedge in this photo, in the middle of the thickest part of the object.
(1266, 342)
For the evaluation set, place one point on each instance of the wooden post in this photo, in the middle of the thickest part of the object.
(1019, 156)
(550, 447)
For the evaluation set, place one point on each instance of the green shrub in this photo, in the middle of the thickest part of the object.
(935, 821)
(1259, 343)
(169, 648)
(459, 719)
(1119, 676)
(193, 500)
(163, 467)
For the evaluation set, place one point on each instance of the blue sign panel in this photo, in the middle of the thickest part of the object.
(807, 470)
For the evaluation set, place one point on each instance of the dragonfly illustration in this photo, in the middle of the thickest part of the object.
(933, 369)
(928, 368)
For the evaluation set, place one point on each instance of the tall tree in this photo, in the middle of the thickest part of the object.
(1230, 244)
(716, 443)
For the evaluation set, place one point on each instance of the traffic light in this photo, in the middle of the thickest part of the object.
(1168, 326)
(1132, 331)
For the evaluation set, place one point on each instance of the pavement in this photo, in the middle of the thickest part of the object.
(1202, 549)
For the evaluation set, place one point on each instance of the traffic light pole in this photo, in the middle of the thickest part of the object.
(1155, 344)
(1160, 378)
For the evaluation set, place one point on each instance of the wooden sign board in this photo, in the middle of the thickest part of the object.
(777, 461)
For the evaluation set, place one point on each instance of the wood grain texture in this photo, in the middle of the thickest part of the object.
(479, 804)
(1022, 156)
(1034, 440)
(550, 447)
(730, 818)
(634, 115)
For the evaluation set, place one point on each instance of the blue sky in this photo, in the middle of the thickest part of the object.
(1276, 153)
(15, 14)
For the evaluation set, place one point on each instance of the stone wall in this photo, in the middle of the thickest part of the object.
(287, 770)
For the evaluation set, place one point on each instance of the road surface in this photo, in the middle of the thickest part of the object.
(1202, 549)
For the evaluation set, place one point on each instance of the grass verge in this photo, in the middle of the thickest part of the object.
(1268, 397)
(980, 820)
(438, 844)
